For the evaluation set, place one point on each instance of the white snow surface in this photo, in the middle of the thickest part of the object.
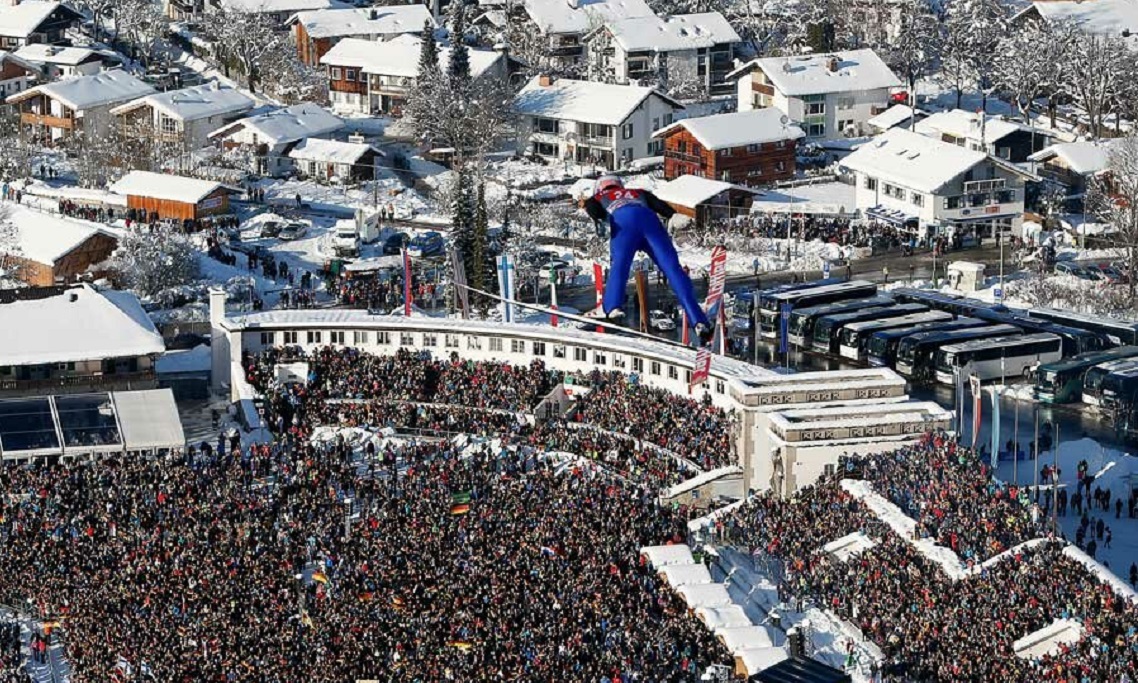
(737, 129)
(966, 124)
(399, 56)
(659, 556)
(561, 16)
(19, 20)
(287, 125)
(1048, 640)
(674, 33)
(197, 359)
(691, 191)
(281, 6)
(193, 103)
(811, 74)
(331, 151)
(1101, 17)
(368, 22)
(40, 53)
(93, 327)
(105, 87)
(1083, 157)
(587, 101)
(43, 238)
(164, 186)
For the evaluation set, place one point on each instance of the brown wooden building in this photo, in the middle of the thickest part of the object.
(49, 250)
(317, 31)
(705, 200)
(745, 148)
(171, 197)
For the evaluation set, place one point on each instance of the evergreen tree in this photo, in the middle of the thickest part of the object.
(429, 51)
(480, 253)
(458, 70)
(464, 221)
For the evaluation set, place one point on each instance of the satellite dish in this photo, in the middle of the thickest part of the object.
(784, 119)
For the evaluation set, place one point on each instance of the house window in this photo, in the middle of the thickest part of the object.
(599, 359)
(547, 125)
(780, 166)
(336, 74)
(267, 338)
(654, 368)
(918, 199)
(545, 149)
(474, 343)
(656, 123)
(290, 337)
(719, 386)
(637, 364)
(816, 130)
(451, 341)
(363, 77)
(314, 336)
(336, 337)
(667, 119)
(725, 152)
(725, 176)
(844, 124)
(580, 355)
(870, 183)
(626, 131)
(845, 103)
(360, 337)
(673, 373)
(682, 147)
(751, 149)
(755, 172)
(539, 348)
(496, 344)
(626, 155)
(558, 350)
(406, 339)
(383, 337)
(169, 125)
(815, 108)
(687, 377)
(349, 74)
(517, 346)
(430, 339)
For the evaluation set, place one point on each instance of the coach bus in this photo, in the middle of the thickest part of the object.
(1092, 382)
(828, 328)
(1118, 393)
(802, 320)
(953, 303)
(916, 354)
(1062, 382)
(882, 347)
(1119, 332)
(998, 357)
(1075, 341)
(854, 338)
(770, 306)
(769, 298)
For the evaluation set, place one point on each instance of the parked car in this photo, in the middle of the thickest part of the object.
(395, 243)
(427, 244)
(293, 231)
(660, 321)
(560, 269)
(1068, 268)
(1114, 275)
(271, 228)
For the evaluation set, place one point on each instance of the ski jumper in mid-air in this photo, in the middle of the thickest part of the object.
(635, 226)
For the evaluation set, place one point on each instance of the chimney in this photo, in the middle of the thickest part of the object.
(72, 296)
(219, 341)
(373, 14)
(545, 80)
(833, 64)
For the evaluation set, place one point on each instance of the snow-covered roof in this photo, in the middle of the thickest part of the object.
(724, 616)
(756, 659)
(399, 56)
(737, 129)
(1100, 17)
(149, 419)
(9, 57)
(586, 101)
(22, 19)
(700, 480)
(172, 188)
(849, 545)
(106, 87)
(912, 160)
(93, 326)
(835, 198)
(664, 555)
(677, 32)
(579, 16)
(332, 151)
(293, 123)
(190, 104)
(966, 124)
(198, 359)
(1085, 157)
(686, 574)
(854, 70)
(54, 54)
(705, 595)
(280, 6)
(894, 116)
(42, 237)
(691, 191)
(737, 638)
(370, 21)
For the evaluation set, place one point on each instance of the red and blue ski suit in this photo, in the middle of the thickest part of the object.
(634, 226)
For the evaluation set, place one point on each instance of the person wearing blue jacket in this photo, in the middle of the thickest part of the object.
(634, 222)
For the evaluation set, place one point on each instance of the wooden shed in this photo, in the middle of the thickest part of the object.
(172, 197)
(48, 249)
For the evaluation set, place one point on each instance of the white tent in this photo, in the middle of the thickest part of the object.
(685, 574)
(738, 638)
(706, 595)
(663, 555)
(753, 660)
(149, 419)
(728, 616)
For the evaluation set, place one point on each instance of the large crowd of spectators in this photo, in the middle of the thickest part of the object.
(930, 627)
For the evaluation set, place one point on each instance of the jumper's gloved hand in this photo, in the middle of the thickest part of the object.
(678, 222)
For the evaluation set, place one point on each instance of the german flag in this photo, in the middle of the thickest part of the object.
(461, 645)
(461, 498)
(460, 509)
(367, 596)
(320, 577)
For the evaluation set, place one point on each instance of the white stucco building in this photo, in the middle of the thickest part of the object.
(591, 123)
(829, 95)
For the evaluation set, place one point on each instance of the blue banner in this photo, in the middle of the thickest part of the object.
(995, 427)
(784, 328)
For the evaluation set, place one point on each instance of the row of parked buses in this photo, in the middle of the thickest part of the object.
(931, 336)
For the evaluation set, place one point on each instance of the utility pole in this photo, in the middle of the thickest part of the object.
(1036, 442)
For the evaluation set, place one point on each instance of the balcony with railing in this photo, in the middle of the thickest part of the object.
(65, 384)
(996, 202)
